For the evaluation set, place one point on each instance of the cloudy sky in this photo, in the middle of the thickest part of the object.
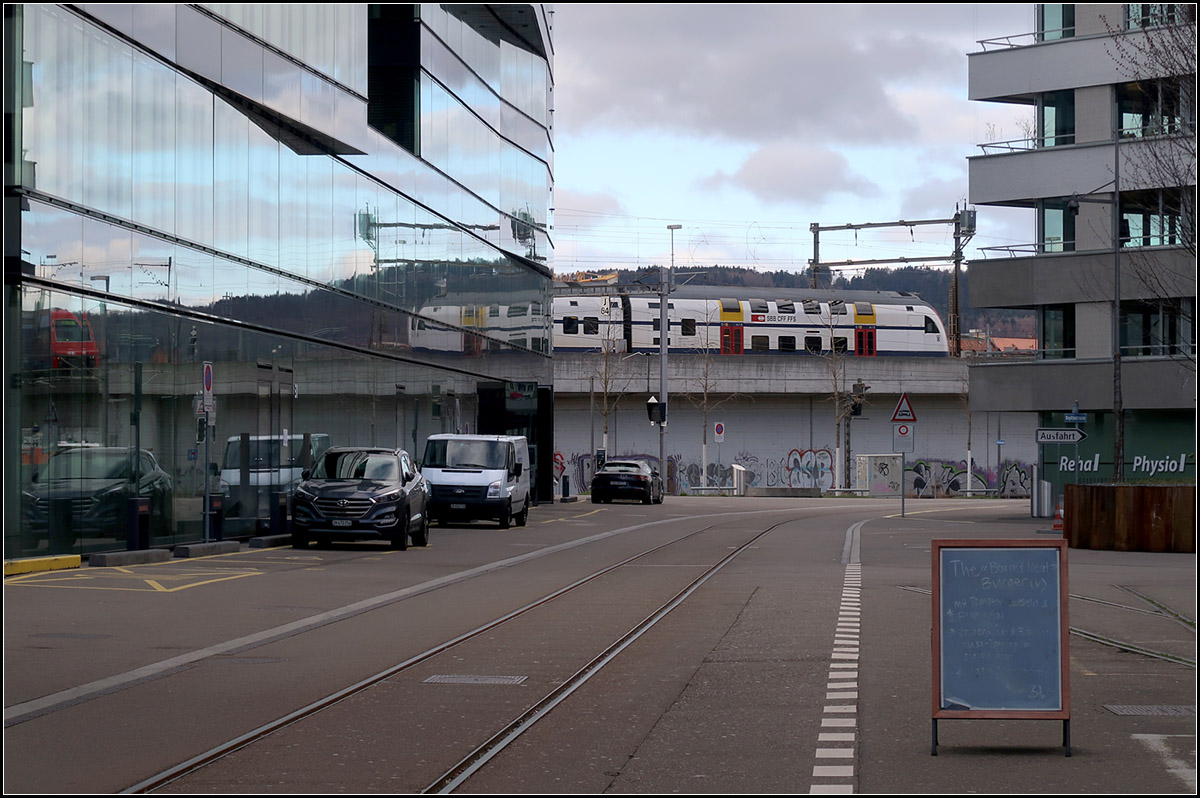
(747, 123)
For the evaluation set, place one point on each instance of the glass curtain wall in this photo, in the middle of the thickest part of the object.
(162, 227)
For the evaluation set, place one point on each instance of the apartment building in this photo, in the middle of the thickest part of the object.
(1110, 266)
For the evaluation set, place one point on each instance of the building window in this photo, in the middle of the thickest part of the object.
(1151, 218)
(1057, 118)
(1149, 108)
(1155, 15)
(1057, 223)
(1157, 328)
(1058, 332)
(1056, 21)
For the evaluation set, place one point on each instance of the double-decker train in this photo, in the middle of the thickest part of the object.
(725, 320)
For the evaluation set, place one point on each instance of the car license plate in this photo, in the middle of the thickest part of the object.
(458, 507)
(342, 523)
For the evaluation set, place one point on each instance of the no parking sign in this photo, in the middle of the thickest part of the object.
(719, 432)
(207, 407)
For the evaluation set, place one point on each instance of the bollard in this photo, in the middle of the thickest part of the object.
(279, 519)
(216, 516)
(137, 523)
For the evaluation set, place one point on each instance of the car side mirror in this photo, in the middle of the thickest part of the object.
(305, 474)
(213, 470)
(517, 469)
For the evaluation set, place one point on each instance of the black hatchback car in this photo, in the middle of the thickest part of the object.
(361, 493)
(627, 479)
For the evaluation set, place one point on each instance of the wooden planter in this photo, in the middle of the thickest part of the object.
(1158, 518)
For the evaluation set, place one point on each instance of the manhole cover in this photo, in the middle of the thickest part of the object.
(452, 679)
(1151, 709)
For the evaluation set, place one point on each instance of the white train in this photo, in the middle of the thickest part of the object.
(859, 323)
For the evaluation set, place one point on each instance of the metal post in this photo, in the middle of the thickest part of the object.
(664, 292)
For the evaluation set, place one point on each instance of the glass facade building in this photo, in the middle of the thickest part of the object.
(330, 219)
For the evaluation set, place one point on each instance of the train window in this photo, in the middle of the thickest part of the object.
(760, 343)
(570, 325)
(654, 324)
(812, 344)
(786, 307)
(864, 309)
(517, 310)
(494, 311)
(731, 306)
(787, 343)
(841, 345)
(535, 308)
(837, 307)
(759, 306)
(812, 306)
(591, 325)
(687, 326)
(930, 325)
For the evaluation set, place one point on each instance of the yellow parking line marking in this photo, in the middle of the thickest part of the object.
(573, 517)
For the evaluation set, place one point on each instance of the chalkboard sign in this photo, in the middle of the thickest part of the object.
(1000, 634)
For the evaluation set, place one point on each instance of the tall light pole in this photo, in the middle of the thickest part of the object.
(664, 292)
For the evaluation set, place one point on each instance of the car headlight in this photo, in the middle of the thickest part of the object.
(390, 496)
(494, 490)
(304, 492)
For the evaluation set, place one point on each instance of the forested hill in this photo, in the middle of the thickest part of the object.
(932, 285)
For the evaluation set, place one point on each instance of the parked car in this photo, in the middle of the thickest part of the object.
(84, 491)
(361, 493)
(478, 476)
(273, 464)
(627, 479)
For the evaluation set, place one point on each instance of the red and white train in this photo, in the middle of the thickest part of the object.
(725, 320)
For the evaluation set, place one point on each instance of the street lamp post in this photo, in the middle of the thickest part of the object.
(664, 291)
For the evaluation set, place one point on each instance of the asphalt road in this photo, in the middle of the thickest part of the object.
(803, 664)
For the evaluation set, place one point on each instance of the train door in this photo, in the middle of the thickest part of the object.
(731, 339)
(864, 330)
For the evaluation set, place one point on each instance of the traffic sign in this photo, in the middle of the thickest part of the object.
(903, 411)
(719, 432)
(207, 384)
(1076, 418)
(1060, 435)
(904, 438)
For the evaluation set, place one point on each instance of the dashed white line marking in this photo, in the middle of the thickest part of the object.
(841, 686)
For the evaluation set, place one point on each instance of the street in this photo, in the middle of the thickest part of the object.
(716, 644)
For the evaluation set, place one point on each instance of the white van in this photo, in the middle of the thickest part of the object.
(478, 476)
(275, 464)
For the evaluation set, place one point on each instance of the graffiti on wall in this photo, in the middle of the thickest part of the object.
(814, 468)
(933, 478)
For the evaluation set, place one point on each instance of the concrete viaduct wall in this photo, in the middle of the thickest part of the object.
(779, 421)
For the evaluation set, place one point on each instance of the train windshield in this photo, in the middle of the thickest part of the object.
(71, 331)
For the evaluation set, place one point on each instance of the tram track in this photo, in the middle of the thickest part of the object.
(478, 758)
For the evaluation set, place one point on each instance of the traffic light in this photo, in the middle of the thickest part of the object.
(201, 429)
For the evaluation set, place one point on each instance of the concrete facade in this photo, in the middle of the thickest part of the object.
(779, 421)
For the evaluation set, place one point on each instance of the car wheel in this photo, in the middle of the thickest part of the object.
(595, 499)
(299, 540)
(523, 516)
(400, 537)
(420, 535)
(506, 518)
